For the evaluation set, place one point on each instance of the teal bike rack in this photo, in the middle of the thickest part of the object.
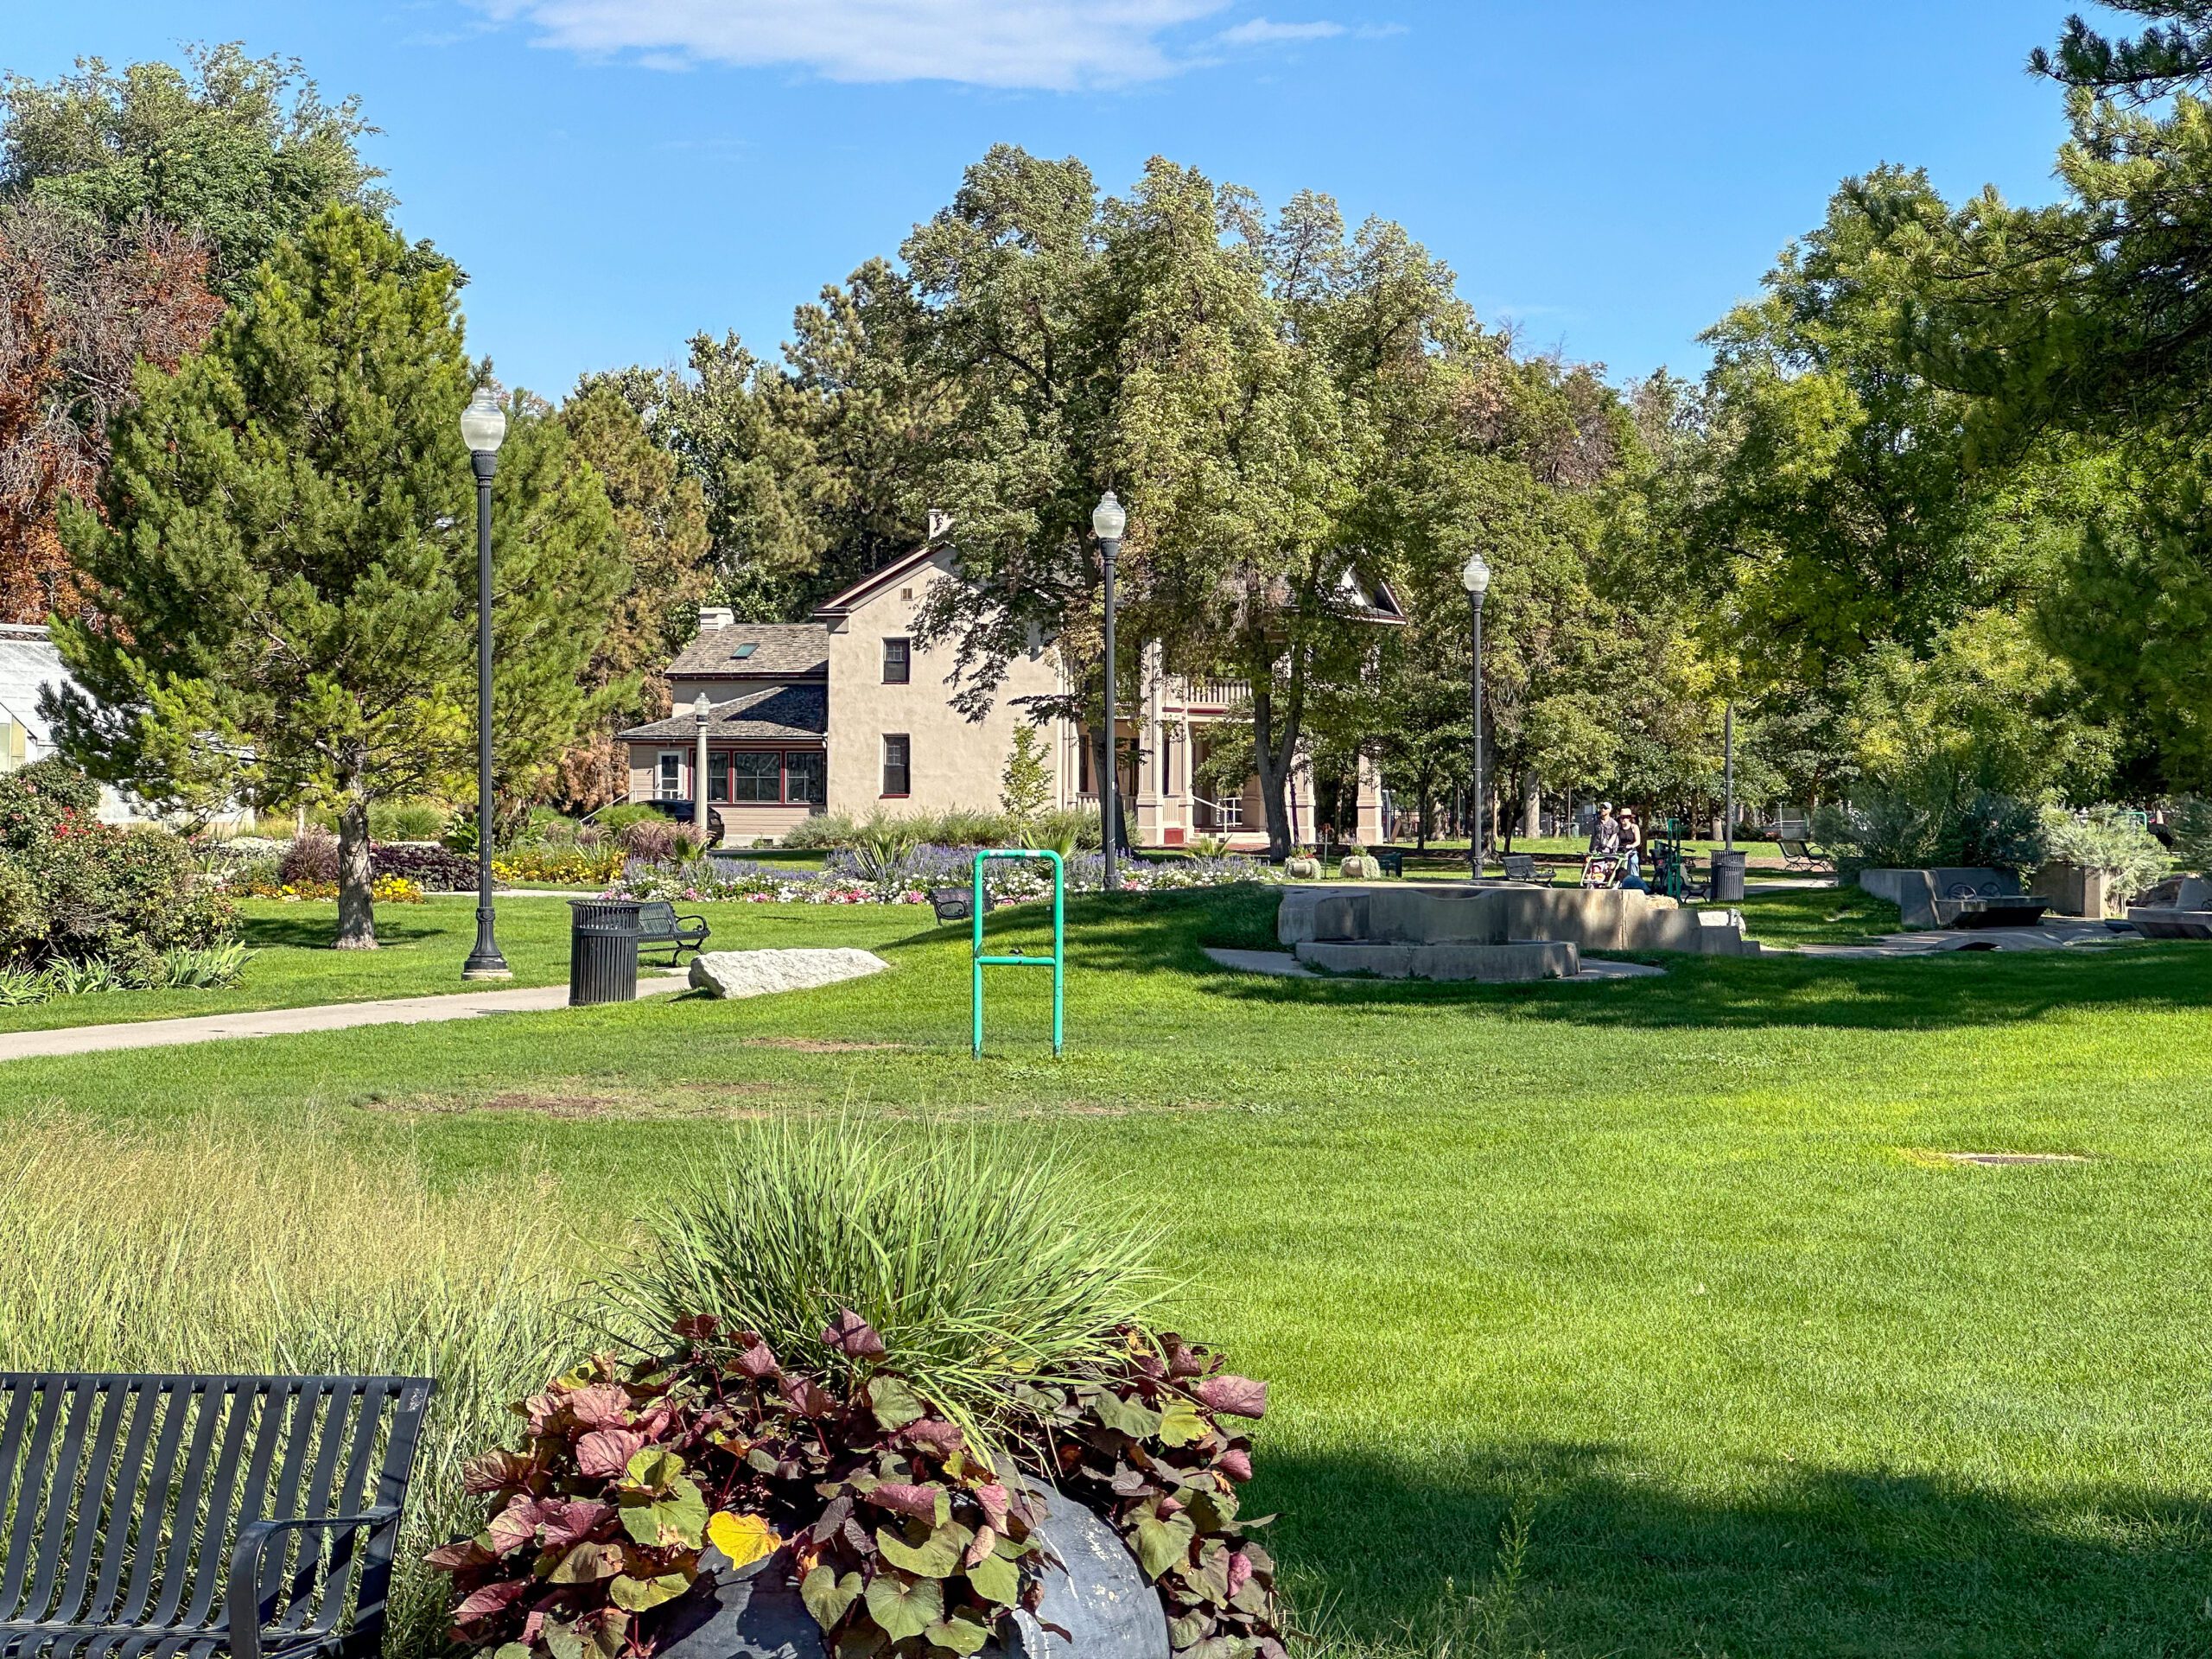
(1057, 961)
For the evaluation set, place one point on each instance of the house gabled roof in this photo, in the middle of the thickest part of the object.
(842, 605)
(772, 713)
(755, 650)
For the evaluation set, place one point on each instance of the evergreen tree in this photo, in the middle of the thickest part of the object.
(283, 580)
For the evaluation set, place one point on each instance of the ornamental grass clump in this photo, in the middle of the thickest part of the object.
(215, 1247)
(980, 1267)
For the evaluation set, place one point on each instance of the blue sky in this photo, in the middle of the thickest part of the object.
(616, 174)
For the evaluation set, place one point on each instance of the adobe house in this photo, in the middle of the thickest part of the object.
(849, 713)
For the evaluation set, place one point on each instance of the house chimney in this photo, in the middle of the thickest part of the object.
(940, 522)
(713, 618)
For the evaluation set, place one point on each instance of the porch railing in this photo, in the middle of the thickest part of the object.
(1206, 694)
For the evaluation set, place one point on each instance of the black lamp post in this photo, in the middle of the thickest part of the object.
(1107, 521)
(1476, 579)
(1728, 776)
(483, 426)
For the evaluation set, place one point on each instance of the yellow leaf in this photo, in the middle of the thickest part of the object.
(743, 1538)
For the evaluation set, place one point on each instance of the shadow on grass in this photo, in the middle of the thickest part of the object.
(1164, 934)
(314, 933)
(1818, 1561)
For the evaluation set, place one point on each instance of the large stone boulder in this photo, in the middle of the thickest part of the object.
(761, 973)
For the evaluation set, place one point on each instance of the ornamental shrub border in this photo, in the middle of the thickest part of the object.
(909, 880)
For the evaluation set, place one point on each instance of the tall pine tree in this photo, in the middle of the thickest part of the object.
(283, 584)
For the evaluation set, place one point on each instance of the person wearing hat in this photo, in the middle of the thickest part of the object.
(1631, 844)
(1605, 834)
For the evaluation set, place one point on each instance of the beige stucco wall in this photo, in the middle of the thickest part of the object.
(956, 762)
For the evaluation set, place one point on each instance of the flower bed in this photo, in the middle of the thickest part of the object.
(907, 880)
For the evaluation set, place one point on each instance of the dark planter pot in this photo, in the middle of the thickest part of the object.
(1095, 1593)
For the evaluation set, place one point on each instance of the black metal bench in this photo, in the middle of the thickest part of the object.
(958, 904)
(1521, 866)
(1800, 855)
(177, 1517)
(1390, 861)
(659, 928)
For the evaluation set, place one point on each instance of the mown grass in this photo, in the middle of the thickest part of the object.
(1789, 917)
(1669, 1267)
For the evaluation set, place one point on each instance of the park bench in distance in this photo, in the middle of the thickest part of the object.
(958, 904)
(659, 928)
(189, 1515)
(1800, 855)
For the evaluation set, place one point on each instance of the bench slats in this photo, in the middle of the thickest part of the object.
(122, 1499)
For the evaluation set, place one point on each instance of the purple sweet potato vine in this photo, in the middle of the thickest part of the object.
(904, 1542)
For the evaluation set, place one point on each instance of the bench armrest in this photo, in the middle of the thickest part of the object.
(252, 1547)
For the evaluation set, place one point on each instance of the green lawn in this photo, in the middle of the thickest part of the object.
(420, 950)
(1792, 916)
(1669, 1266)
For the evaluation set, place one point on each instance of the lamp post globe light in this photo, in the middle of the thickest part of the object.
(1107, 521)
(1476, 579)
(483, 428)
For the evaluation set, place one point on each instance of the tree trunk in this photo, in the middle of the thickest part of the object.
(1532, 807)
(357, 917)
(1272, 757)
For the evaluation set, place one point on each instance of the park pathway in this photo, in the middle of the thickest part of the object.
(276, 1022)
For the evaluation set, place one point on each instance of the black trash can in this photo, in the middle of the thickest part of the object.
(603, 950)
(1727, 877)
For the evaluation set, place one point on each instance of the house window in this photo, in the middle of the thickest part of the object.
(670, 782)
(898, 771)
(804, 777)
(757, 775)
(898, 661)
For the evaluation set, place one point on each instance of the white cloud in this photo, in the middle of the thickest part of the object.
(1059, 45)
(1264, 31)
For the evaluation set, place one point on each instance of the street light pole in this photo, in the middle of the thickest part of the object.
(1107, 521)
(483, 428)
(1476, 579)
(1728, 777)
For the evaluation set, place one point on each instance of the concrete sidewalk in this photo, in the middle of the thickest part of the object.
(275, 1022)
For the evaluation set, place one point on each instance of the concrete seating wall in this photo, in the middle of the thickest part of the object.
(1318, 923)
(1935, 898)
(2190, 915)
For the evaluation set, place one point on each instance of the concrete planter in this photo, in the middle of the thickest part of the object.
(1358, 867)
(1302, 868)
(1094, 1592)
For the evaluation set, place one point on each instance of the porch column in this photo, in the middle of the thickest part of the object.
(1150, 820)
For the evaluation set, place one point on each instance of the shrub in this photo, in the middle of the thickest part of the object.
(216, 1248)
(408, 820)
(2110, 840)
(311, 857)
(652, 838)
(213, 969)
(613, 820)
(819, 831)
(979, 1266)
(1912, 827)
(435, 869)
(73, 888)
